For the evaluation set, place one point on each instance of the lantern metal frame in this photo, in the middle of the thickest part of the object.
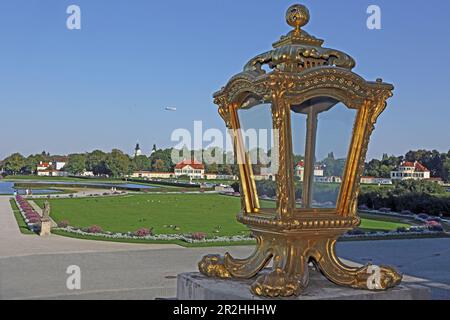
(292, 237)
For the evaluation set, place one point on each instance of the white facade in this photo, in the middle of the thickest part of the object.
(215, 176)
(152, 175)
(191, 172)
(410, 171)
(373, 180)
(332, 179)
(87, 174)
(59, 165)
(52, 173)
(51, 168)
(264, 177)
(300, 171)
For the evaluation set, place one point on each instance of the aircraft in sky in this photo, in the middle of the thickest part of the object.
(171, 109)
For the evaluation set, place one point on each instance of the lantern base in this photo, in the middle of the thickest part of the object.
(290, 253)
(195, 286)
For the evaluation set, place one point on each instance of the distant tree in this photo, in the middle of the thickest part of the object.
(118, 163)
(225, 169)
(161, 160)
(76, 164)
(158, 166)
(332, 166)
(212, 168)
(141, 163)
(45, 155)
(383, 168)
(420, 186)
(446, 170)
(95, 162)
(31, 163)
(14, 163)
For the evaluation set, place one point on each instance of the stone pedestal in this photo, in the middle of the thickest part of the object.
(46, 226)
(195, 286)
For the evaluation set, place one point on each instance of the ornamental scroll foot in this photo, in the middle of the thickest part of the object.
(213, 266)
(277, 284)
(369, 277)
(289, 277)
(227, 266)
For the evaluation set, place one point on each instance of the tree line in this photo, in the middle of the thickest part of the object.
(438, 163)
(117, 163)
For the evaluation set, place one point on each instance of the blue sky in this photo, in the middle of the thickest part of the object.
(106, 85)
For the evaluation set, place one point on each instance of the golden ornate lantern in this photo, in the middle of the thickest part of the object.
(304, 79)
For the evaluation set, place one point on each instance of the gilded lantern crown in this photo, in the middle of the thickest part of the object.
(298, 50)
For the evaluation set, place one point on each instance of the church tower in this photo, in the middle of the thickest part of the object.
(137, 151)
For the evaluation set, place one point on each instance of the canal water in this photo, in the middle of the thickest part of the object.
(93, 184)
(7, 188)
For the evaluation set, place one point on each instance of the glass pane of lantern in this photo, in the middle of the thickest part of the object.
(256, 129)
(298, 123)
(328, 125)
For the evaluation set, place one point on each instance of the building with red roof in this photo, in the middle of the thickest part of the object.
(410, 170)
(299, 170)
(191, 168)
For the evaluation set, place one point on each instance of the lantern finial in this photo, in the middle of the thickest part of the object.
(297, 16)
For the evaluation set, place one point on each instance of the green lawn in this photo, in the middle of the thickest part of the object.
(188, 212)
(371, 224)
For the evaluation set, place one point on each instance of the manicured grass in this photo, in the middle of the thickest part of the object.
(187, 212)
(371, 224)
(20, 222)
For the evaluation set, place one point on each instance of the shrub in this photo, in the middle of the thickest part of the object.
(143, 232)
(198, 235)
(363, 207)
(437, 228)
(63, 224)
(356, 232)
(95, 229)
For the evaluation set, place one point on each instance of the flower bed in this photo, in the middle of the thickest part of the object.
(199, 237)
(29, 215)
(189, 238)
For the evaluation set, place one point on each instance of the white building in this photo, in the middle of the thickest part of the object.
(300, 170)
(331, 179)
(410, 170)
(216, 176)
(52, 173)
(152, 175)
(86, 173)
(378, 181)
(190, 168)
(52, 168)
(55, 165)
(264, 177)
